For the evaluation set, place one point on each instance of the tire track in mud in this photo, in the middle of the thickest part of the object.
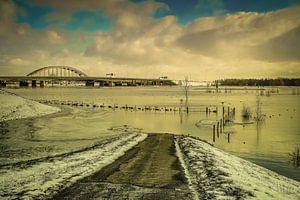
(150, 170)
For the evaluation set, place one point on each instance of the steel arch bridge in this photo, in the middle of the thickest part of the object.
(57, 71)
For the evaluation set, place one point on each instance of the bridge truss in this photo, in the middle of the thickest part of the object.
(57, 71)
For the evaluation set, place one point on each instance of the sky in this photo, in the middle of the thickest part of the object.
(202, 39)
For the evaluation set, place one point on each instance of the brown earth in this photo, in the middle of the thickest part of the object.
(150, 170)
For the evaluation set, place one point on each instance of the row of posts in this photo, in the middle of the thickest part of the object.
(220, 125)
(125, 107)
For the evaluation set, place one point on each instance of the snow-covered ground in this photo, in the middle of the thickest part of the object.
(43, 179)
(215, 174)
(15, 107)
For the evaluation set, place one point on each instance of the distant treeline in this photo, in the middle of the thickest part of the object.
(260, 82)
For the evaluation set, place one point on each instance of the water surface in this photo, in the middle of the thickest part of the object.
(267, 143)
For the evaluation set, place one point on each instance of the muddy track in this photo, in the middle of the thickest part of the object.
(150, 170)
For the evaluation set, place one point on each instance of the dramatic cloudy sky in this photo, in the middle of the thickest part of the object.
(204, 39)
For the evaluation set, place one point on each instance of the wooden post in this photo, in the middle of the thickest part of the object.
(228, 138)
(297, 157)
(218, 129)
(214, 133)
(223, 112)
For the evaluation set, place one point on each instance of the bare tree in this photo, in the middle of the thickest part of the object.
(259, 116)
(186, 88)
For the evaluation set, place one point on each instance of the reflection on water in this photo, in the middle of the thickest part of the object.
(267, 142)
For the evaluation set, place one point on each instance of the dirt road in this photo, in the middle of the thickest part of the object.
(151, 170)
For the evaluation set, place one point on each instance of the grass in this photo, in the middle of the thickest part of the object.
(246, 111)
(295, 157)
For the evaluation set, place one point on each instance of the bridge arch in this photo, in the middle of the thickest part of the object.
(57, 71)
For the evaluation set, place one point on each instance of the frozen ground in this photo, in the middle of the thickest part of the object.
(44, 179)
(15, 107)
(215, 174)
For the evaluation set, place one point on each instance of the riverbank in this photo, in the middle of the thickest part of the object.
(15, 107)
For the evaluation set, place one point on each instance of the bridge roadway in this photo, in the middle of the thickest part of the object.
(90, 81)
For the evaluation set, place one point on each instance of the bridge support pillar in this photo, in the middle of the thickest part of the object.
(90, 83)
(133, 83)
(111, 84)
(23, 84)
(2, 84)
(42, 84)
(33, 83)
(101, 83)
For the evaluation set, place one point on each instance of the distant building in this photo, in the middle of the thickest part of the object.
(195, 83)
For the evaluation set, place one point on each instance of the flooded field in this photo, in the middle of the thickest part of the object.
(267, 143)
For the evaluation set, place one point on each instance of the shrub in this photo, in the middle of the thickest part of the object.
(246, 111)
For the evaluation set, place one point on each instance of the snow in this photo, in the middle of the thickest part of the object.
(188, 176)
(44, 179)
(15, 107)
(215, 174)
(206, 122)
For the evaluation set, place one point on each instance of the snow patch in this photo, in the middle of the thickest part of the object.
(206, 122)
(45, 179)
(15, 107)
(186, 171)
(216, 174)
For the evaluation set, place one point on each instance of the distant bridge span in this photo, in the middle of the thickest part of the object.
(57, 71)
(63, 75)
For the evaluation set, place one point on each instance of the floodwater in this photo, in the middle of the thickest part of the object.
(267, 143)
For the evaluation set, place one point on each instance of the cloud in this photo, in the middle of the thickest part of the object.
(111, 7)
(127, 20)
(7, 16)
(19, 62)
(243, 44)
(142, 45)
(229, 45)
(285, 47)
(234, 35)
(53, 37)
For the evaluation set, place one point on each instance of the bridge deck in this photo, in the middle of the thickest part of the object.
(66, 78)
